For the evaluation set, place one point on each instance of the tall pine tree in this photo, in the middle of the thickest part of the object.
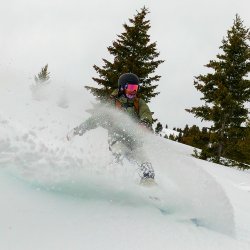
(132, 52)
(226, 91)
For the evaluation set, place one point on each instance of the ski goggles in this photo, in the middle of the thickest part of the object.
(131, 88)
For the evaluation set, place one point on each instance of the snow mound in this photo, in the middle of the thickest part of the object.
(39, 155)
(66, 195)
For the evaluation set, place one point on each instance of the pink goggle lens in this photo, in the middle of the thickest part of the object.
(130, 88)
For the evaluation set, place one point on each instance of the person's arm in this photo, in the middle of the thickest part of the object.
(90, 123)
(145, 114)
(99, 118)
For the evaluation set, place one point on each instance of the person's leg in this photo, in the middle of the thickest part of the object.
(120, 151)
(133, 152)
(146, 170)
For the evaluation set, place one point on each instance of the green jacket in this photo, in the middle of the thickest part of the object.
(142, 114)
(102, 118)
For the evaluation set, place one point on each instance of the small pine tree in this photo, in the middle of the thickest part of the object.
(186, 130)
(38, 89)
(166, 136)
(132, 52)
(43, 76)
(179, 137)
(158, 128)
(226, 91)
(172, 137)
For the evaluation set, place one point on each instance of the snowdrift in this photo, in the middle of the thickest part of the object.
(84, 168)
(35, 155)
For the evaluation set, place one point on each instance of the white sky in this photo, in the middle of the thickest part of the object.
(72, 36)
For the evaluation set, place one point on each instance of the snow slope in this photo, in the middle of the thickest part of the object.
(71, 195)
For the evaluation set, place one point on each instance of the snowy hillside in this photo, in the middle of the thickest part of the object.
(72, 195)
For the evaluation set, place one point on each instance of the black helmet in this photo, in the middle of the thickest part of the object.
(127, 78)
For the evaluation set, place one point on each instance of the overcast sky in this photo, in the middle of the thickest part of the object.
(72, 36)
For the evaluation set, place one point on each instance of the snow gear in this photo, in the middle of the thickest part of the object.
(136, 108)
(118, 104)
(130, 90)
(121, 142)
(128, 85)
(127, 78)
(147, 170)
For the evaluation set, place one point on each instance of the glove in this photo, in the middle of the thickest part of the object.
(75, 131)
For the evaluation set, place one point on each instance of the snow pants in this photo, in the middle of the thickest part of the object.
(133, 152)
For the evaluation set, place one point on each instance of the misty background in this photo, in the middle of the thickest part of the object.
(72, 36)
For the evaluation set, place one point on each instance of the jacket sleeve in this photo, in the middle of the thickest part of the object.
(99, 118)
(145, 114)
(90, 123)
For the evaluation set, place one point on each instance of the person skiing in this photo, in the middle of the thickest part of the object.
(121, 143)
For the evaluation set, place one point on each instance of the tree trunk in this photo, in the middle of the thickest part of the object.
(221, 139)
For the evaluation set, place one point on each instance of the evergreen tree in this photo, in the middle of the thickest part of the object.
(132, 52)
(226, 90)
(190, 136)
(43, 75)
(158, 128)
(241, 150)
(38, 88)
(179, 137)
(172, 137)
(185, 131)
